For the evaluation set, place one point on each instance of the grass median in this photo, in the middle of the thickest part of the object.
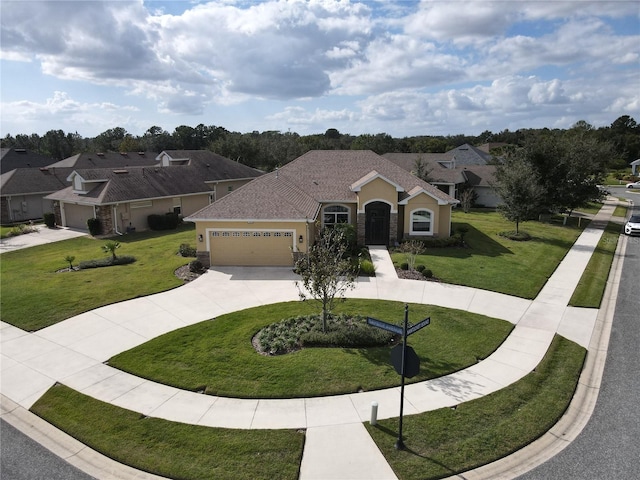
(169, 449)
(218, 357)
(449, 441)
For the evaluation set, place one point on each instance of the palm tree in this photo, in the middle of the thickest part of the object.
(69, 259)
(110, 247)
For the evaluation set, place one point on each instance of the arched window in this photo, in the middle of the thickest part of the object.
(421, 222)
(332, 214)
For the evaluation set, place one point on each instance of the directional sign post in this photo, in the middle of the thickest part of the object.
(406, 356)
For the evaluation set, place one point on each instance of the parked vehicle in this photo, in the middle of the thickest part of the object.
(633, 185)
(632, 227)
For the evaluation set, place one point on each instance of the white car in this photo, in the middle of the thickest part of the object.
(633, 185)
(632, 227)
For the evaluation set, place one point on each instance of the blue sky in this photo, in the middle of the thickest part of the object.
(404, 68)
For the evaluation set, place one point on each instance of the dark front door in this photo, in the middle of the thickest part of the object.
(377, 223)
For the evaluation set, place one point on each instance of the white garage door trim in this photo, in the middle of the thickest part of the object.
(254, 233)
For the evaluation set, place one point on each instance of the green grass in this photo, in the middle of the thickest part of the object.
(218, 355)
(171, 449)
(495, 263)
(448, 441)
(591, 286)
(35, 296)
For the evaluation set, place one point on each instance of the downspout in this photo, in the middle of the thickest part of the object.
(9, 208)
(115, 219)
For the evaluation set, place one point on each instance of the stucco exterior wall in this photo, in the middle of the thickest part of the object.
(441, 216)
(226, 187)
(378, 189)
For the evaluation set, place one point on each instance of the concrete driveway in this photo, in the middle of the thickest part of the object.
(42, 236)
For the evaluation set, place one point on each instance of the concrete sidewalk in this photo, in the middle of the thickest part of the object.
(42, 236)
(337, 446)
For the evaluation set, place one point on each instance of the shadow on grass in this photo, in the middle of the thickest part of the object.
(477, 244)
(410, 451)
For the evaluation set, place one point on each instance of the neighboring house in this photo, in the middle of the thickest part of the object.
(123, 198)
(268, 220)
(108, 160)
(22, 192)
(12, 158)
(456, 169)
(635, 167)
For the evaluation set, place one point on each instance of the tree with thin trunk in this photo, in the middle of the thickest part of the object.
(326, 271)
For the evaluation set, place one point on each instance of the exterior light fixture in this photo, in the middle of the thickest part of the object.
(200, 237)
(300, 239)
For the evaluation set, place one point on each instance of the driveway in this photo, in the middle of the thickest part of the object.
(42, 236)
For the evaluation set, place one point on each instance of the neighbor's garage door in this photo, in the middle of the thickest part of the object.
(251, 248)
(76, 216)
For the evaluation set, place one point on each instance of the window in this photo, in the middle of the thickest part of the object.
(420, 222)
(333, 214)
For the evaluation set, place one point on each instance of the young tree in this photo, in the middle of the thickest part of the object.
(326, 272)
(517, 185)
(412, 249)
(110, 247)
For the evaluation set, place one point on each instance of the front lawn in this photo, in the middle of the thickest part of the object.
(35, 295)
(217, 356)
(492, 262)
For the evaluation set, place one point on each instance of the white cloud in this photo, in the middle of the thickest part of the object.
(387, 66)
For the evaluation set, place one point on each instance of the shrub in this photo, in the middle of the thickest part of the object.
(49, 219)
(21, 229)
(93, 224)
(367, 268)
(106, 262)
(516, 236)
(404, 266)
(187, 250)
(426, 273)
(196, 266)
(169, 221)
(420, 268)
(306, 331)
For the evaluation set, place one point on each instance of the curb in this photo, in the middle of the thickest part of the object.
(579, 412)
(66, 447)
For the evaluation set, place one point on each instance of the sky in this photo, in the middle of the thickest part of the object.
(404, 68)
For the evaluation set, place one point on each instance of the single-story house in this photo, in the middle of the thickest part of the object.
(23, 192)
(278, 214)
(461, 167)
(635, 167)
(15, 157)
(123, 198)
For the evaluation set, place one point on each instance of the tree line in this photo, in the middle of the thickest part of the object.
(269, 149)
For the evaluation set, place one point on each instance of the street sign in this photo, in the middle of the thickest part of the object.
(411, 361)
(390, 327)
(418, 326)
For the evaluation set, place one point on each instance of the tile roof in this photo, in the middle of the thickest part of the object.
(297, 189)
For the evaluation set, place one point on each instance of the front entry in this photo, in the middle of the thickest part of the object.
(377, 216)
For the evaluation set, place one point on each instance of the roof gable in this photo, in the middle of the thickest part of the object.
(370, 177)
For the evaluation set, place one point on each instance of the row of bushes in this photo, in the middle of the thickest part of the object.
(427, 273)
(306, 331)
(168, 221)
(106, 262)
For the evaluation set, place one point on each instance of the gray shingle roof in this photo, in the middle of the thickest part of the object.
(138, 183)
(297, 189)
(12, 158)
(108, 160)
(214, 167)
(28, 181)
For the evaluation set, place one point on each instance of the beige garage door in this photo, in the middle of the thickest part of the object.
(76, 216)
(251, 248)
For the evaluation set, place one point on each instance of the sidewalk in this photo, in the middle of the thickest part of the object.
(337, 445)
(42, 236)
